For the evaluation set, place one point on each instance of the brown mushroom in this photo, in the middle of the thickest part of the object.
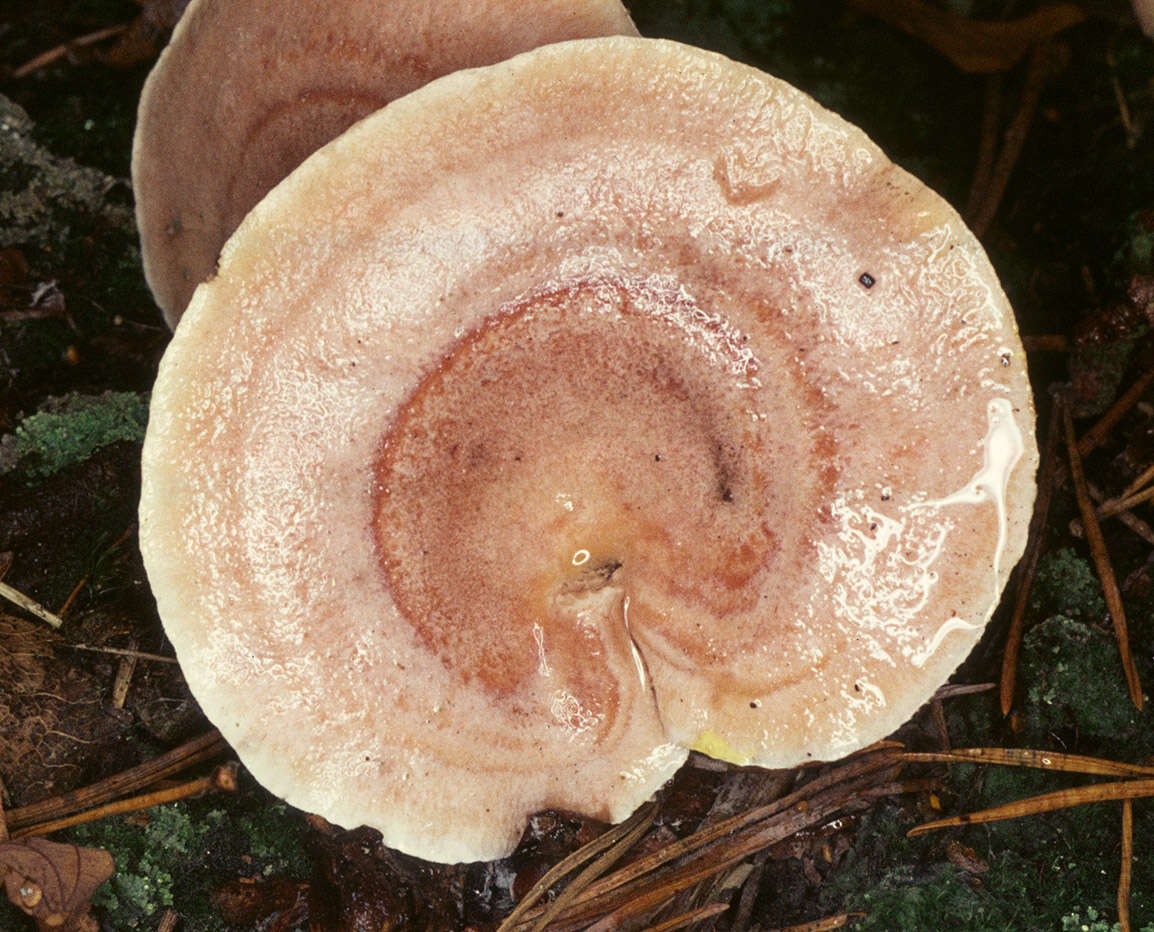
(248, 88)
(569, 414)
(1144, 11)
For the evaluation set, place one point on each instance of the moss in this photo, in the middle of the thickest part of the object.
(1065, 584)
(1045, 871)
(1137, 252)
(1075, 680)
(184, 851)
(70, 429)
(145, 857)
(11, 918)
(274, 840)
(923, 890)
(1093, 920)
(946, 899)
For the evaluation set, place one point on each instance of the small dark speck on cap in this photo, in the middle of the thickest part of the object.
(867, 280)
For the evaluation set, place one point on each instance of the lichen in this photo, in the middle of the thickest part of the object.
(69, 429)
(39, 188)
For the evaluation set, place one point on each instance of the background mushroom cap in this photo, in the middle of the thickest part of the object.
(247, 89)
(570, 413)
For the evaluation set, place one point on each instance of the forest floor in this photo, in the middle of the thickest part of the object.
(1049, 156)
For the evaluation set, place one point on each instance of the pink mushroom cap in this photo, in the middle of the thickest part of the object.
(566, 415)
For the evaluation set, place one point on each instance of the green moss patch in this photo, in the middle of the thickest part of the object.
(184, 850)
(70, 429)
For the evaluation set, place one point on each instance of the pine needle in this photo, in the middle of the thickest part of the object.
(822, 925)
(686, 919)
(1102, 561)
(1106, 423)
(1028, 757)
(571, 863)
(1145, 479)
(863, 765)
(1125, 875)
(1046, 802)
(635, 828)
(650, 882)
(1046, 477)
(222, 778)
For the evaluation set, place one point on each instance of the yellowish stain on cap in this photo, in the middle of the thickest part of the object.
(711, 743)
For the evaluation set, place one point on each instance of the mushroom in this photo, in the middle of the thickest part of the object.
(569, 414)
(247, 88)
(1144, 11)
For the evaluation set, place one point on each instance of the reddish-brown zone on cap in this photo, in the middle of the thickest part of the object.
(623, 436)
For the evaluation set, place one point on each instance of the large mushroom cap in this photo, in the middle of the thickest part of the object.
(247, 89)
(571, 413)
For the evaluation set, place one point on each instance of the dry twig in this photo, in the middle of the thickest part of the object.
(124, 652)
(59, 51)
(222, 778)
(193, 752)
(124, 671)
(29, 605)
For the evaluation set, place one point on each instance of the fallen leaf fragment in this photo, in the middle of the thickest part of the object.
(53, 882)
(965, 857)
